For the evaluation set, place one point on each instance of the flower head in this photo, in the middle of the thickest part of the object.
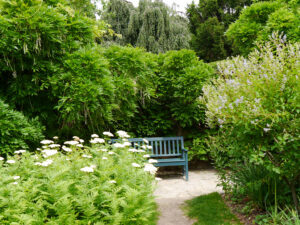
(87, 169)
(46, 142)
(16, 177)
(152, 161)
(112, 181)
(1, 158)
(87, 156)
(94, 136)
(10, 161)
(122, 134)
(48, 152)
(150, 168)
(66, 149)
(146, 141)
(108, 134)
(20, 151)
(71, 143)
(118, 145)
(135, 165)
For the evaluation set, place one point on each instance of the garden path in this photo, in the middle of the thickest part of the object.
(172, 192)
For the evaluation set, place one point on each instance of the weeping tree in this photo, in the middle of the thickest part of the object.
(152, 25)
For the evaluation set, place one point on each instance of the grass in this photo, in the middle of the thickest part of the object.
(210, 210)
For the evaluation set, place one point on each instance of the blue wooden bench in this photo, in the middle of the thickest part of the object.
(168, 151)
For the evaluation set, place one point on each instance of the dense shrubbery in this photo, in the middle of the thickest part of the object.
(258, 21)
(17, 131)
(255, 104)
(104, 184)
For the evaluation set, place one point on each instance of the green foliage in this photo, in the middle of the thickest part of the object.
(210, 210)
(85, 91)
(152, 25)
(17, 131)
(257, 22)
(208, 22)
(57, 190)
(255, 104)
(180, 85)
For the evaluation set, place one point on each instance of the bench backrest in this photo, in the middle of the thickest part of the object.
(161, 146)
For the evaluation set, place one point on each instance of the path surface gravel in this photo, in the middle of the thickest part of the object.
(172, 192)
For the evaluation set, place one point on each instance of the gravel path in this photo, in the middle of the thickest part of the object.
(172, 192)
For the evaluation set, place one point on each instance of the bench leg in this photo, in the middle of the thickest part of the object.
(186, 171)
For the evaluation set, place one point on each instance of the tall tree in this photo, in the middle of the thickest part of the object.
(152, 25)
(208, 22)
(257, 22)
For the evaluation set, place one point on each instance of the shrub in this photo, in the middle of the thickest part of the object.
(17, 131)
(77, 185)
(255, 105)
(258, 21)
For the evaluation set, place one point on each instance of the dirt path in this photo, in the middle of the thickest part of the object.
(172, 192)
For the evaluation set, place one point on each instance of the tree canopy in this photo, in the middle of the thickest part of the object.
(152, 25)
(208, 22)
(257, 22)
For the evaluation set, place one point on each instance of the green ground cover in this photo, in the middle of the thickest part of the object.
(210, 210)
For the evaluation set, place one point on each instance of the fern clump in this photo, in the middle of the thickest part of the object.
(75, 184)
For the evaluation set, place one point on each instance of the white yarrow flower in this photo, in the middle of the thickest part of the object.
(94, 136)
(45, 163)
(15, 182)
(150, 168)
(133, 150)
(66, 149)
(16, 177)
(112, 181)
(267, 129)
(146, 141)
(87, 156)
(48, 152)
(126, 144)
(146, 156)
(55, 137)
(104, 158)
(19, 151)
(71, 143)
(54, 146)
(1, 158)
(79, 145)
(87, 169)
(108, 134)
(111, 153)
(104, 150)
(152, 161)
(135, 165)
(81, 140)
(46, 142)
(10, 161)
(118, 145)
(122, 134)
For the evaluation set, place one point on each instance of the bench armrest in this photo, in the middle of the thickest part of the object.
(185, 153)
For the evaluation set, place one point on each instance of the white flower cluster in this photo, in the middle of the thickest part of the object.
(20, 151)
(123, 134)
(45, 163)
(150, 168)
(88, 169)
(106, 133)
(48, 152)
(47, 142)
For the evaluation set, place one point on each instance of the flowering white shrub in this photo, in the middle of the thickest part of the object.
(103, 184)
(255, 103)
